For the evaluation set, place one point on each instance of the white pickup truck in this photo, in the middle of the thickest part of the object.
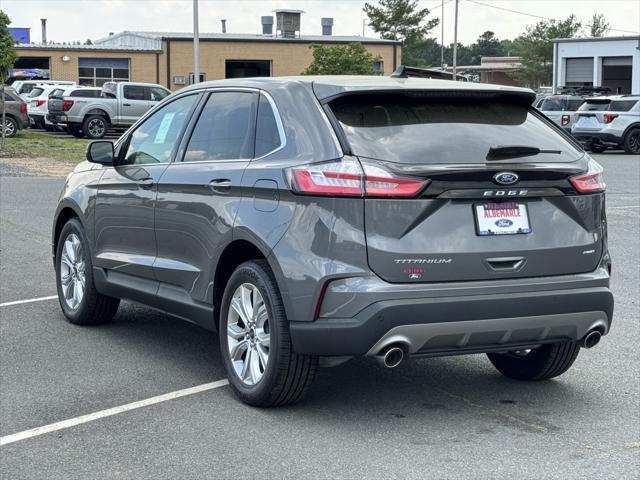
(120, 105)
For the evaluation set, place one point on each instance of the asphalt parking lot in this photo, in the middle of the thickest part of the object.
(431, 418)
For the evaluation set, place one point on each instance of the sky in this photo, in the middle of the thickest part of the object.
(71, 20)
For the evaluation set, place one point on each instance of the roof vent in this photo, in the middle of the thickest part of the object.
(327, 26)
(288, 23)
(224, 25)
(267, 25)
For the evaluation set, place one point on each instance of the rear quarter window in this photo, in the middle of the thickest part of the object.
(436, 130)
(621, 105)
(35, 92)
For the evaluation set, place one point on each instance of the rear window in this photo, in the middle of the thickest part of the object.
(419, 129)
(86, 93)
(621, 105)
(35, 92)
(595, 105)
(557, 104)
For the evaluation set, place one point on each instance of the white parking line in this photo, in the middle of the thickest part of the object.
(30, 300)
(72, 422)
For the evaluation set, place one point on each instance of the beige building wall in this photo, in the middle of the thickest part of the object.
(287, 58)
(142, 65)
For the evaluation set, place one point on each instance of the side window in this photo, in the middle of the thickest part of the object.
(157, 94)
(225, 129)
(135, 92)
(267, 133)
(154, 140)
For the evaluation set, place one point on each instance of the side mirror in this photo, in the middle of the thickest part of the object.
(101, 151)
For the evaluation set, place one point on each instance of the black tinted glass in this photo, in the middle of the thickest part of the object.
(422, 130)
(621, 105)
(85, 93)
(135, 92)
(225, 129)
(267, 135)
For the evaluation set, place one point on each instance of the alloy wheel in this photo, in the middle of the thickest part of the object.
(634, 141)
(96, 127)
(72, 271)
(9, 128)
(248, 336)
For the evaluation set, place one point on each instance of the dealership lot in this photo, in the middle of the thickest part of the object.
(443, 417)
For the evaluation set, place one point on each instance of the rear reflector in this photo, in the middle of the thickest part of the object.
(609, 117)
(589, 182)
(347, 178)
(565, 120)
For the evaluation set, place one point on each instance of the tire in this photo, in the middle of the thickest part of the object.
(75, 130)
(95, 127)
(597, 148)
(631, 142)
(542, 363)
(39, 124)
(92, 308)
(287, 375)
(10, 127)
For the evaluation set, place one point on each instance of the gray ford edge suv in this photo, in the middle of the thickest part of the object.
(309, 217)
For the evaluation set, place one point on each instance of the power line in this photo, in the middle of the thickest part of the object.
(540, 17)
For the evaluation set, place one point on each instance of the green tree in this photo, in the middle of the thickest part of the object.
(487, 45)
(401, 20)
(7, 59)
(535, 46)
(598, 27)
(350, 59)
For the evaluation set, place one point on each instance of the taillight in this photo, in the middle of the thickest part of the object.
(565, 120)
(39, 103)
(347, 178)
(592, 181)
(609, 117)
(23, 107)
(67, 104)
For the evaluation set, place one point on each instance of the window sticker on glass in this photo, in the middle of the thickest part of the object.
(161, 135)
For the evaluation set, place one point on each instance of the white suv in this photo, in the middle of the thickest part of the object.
(616, 124)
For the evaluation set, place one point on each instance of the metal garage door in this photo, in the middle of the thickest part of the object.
(579, 70)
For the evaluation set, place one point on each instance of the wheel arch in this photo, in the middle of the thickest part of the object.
(97, 111)
(629, 128)
(238, 251)
(65, 212)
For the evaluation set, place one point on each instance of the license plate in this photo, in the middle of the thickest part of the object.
(588, 122)
(504, 218)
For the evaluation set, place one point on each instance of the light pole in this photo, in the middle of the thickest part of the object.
(196, 44)
(455, 44)
(442, 37)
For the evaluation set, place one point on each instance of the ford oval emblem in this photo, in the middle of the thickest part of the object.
(506, 178)
(503, 222)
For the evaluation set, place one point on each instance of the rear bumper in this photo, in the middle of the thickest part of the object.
(597, 137)
(506, 316)
(57, 118)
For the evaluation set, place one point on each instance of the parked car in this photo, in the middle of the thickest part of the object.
(16, 117)
(331, 216)
(561, 109)
(615, 124)
(120, 105)
(37, 105)
(24, 88)
(76, 94)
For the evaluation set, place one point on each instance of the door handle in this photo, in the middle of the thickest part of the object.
(505, 264)
(220, 185)
(126, 104)
(146, 182)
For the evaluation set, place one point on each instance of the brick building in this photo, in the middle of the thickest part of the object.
(167, 57)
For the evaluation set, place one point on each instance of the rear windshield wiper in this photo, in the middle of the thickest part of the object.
(516, 151)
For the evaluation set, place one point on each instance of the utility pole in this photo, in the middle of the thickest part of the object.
(442, 37)
(363, 24)
(196, 44)
(455, 44)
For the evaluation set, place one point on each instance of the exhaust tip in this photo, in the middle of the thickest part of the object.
(591, 339)
(393, 357)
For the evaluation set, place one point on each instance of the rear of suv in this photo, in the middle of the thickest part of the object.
(610, 123)
(335, 217)
(561, 109)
